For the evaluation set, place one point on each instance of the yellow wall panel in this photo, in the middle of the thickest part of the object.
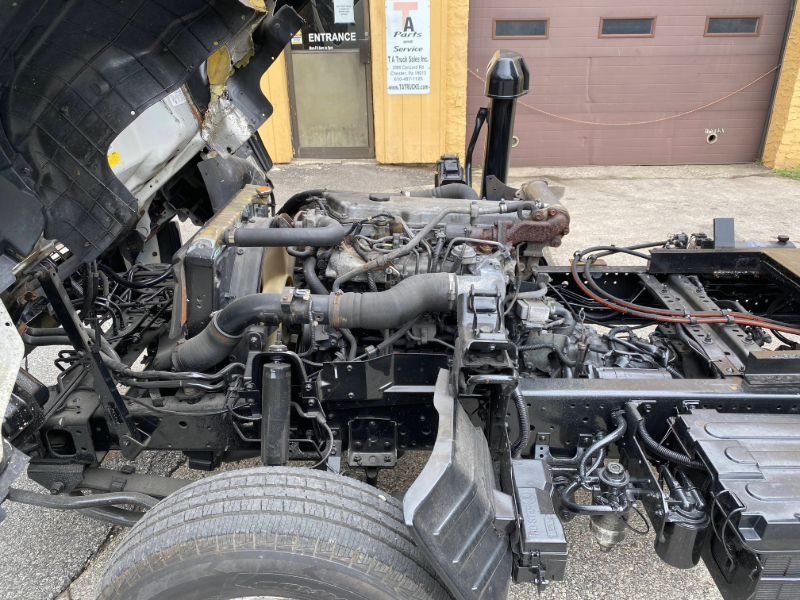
(456, 76)
(782, 148)
(276, 133)
(419, 128)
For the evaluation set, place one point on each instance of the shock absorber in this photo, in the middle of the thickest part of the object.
(276, 398)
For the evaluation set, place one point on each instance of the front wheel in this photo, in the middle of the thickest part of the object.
(272, 532)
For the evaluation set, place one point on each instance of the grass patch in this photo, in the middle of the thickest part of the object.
(787, 172)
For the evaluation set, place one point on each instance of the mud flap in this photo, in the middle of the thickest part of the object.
(453, 508)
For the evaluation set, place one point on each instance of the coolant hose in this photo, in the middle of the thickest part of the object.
(310, 275)
(428, 292)
(641, 431)
(300, 199)
(541, 292)
(452, 191)
(524, 424)
(328, 232)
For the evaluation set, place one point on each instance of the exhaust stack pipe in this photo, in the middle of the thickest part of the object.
(507, 79)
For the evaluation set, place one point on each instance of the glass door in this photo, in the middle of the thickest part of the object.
(330, 82)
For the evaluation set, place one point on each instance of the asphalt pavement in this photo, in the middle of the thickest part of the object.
(47, 554)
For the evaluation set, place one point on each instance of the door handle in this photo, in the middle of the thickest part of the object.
(364, 51)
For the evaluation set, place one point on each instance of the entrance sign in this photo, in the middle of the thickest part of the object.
(408, 46)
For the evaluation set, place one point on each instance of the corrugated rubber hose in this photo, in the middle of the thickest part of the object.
(524, 424)
(641, 430)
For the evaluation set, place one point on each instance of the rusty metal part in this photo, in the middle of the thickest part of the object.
(335, 308)
(548, 226)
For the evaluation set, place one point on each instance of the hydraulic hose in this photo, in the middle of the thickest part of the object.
(75, 502)
(559, 352)
(113, 515)
(633, 413)
(437, 251)
(352, 344)
(55, 336)
(524, 424)
(452, 191)
(587, 509)
(429, 292)
(655, 314)
(135, 285)
(328, 232)
(603, 442)
(480, 118)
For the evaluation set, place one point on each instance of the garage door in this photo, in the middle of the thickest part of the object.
(627, 61)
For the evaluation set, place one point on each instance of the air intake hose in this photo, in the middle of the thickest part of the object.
(452, 191)
(371, 310)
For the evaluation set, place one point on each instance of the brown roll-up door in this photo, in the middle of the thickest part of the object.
(579, 73)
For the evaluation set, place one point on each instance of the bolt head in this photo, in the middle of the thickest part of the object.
(351, 395)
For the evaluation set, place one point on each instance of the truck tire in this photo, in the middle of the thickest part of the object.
(272, 532)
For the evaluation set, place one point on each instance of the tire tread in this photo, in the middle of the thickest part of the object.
(288, 510)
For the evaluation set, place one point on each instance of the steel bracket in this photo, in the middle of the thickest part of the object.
(131, 440)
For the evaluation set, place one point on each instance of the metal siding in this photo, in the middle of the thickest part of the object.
(576, 74)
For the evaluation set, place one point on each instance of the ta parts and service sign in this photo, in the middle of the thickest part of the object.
(408, 46)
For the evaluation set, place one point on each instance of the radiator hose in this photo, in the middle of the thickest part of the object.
(328, 232)
(370, 310)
